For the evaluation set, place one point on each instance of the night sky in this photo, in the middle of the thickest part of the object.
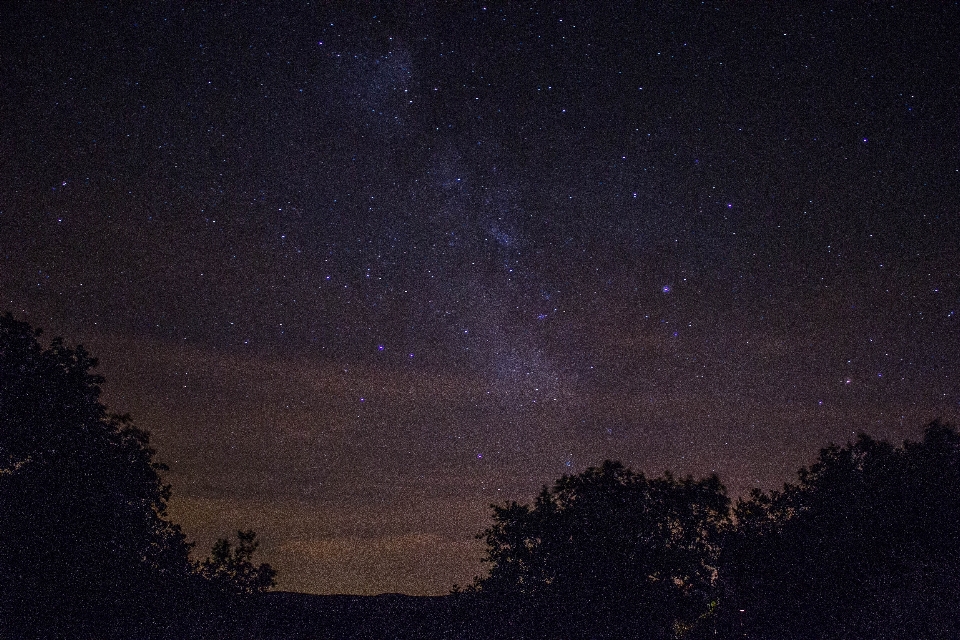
(363, 269)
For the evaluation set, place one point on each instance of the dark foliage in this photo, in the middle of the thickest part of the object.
(865, 545)
(605, 554)
(86, 548)
(234, 573)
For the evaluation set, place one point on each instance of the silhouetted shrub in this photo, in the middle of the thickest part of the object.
(865, 545)
(608, 553)
(86, 548)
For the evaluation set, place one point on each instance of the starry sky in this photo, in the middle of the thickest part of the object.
(364, 268)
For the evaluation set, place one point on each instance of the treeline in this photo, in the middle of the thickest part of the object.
(865, 544)
(86, 547)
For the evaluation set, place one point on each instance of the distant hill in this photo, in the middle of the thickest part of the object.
(389, 616)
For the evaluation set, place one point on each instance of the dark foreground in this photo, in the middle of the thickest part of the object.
(389, 616)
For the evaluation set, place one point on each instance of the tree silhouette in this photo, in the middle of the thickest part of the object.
(608, 553)
(86, 548)
(866, 544)
(235, 573)
(84, 540)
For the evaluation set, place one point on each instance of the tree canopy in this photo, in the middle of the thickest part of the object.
(86, 547)
(85, 538)
(867, 543)
(608, 553)
(234, 572)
